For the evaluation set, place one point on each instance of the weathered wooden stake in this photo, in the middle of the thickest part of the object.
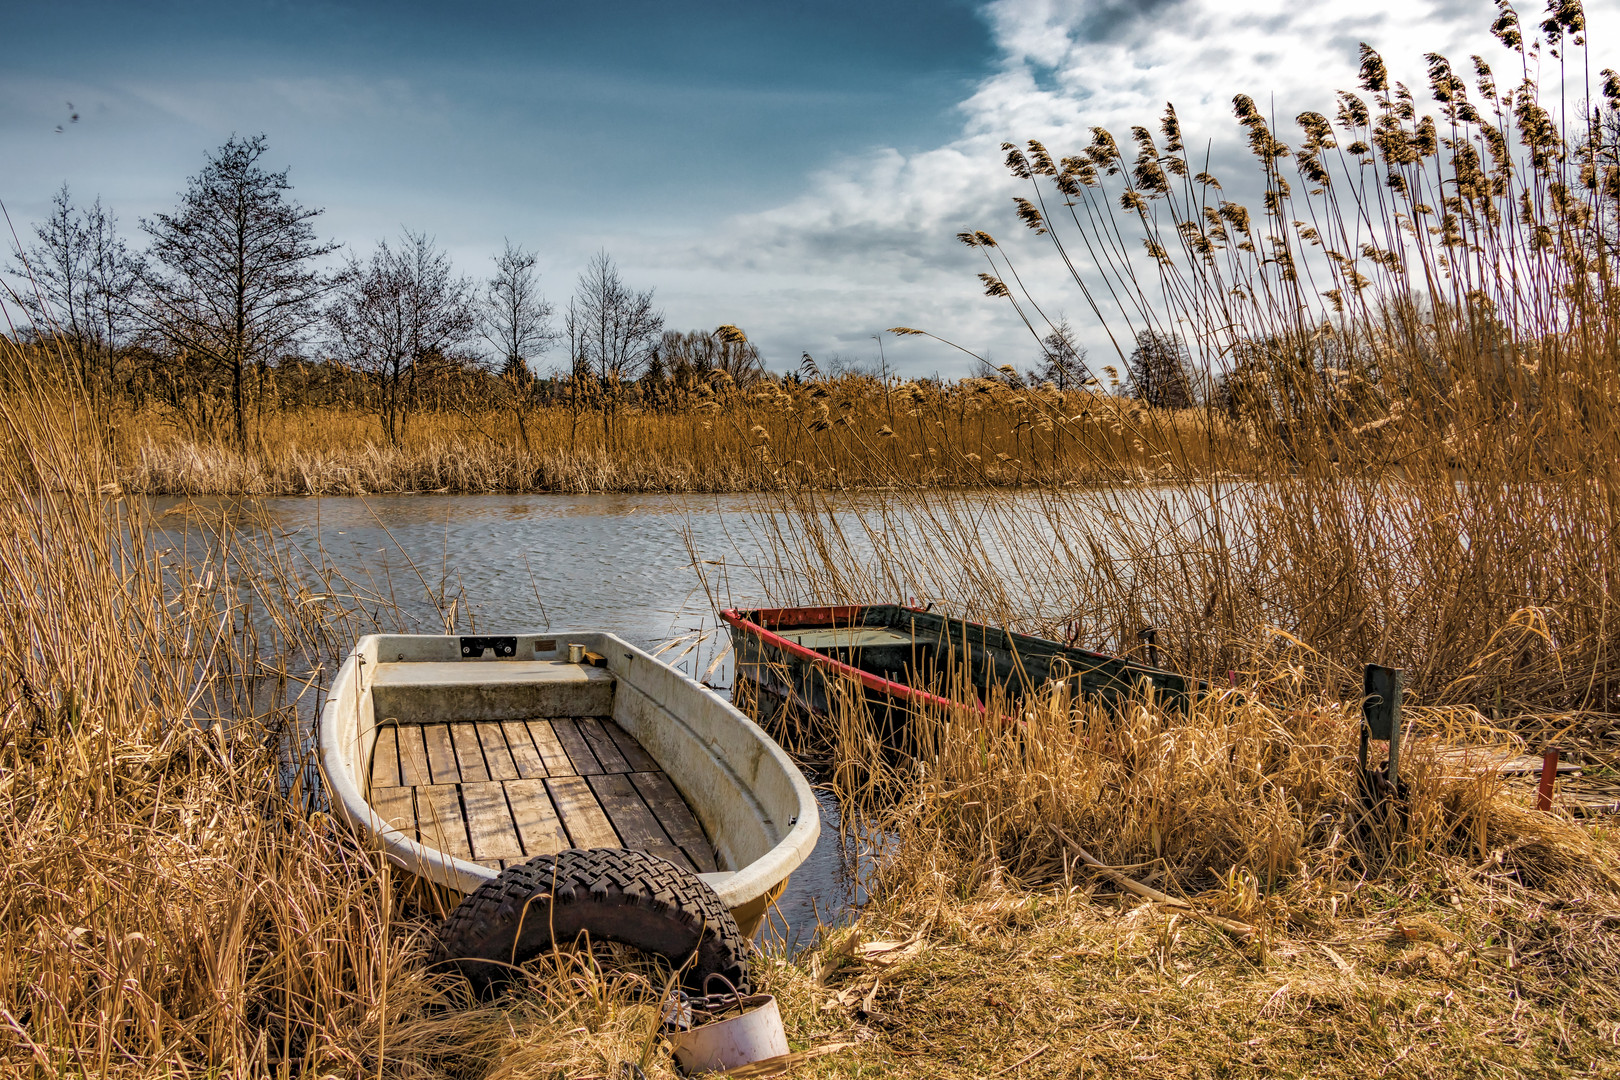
(1150, 636)
(1381, 718)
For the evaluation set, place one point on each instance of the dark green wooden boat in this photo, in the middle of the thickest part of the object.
(905, 658)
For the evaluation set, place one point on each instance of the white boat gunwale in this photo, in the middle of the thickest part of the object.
(663, 709)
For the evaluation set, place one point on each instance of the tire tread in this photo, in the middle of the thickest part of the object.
(485, 926)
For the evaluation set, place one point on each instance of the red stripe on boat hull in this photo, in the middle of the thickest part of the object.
(816, 616)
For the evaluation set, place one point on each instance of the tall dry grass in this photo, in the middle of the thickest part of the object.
(1411, 357)
(173, 905)
(1241, 796)
(1411, 346)
(851, 431)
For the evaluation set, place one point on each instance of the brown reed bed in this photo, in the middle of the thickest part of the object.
(846, 432)
(1062, 983)
(1409, 452)
(176, 910)
(176, 902)
(1427, 480)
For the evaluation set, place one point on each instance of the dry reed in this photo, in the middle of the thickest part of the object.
(172, 910)
(173, 907)
(847, 432)
(1409, 450)
(1426, 451)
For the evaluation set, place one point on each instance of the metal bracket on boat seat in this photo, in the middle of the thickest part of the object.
(475, 646)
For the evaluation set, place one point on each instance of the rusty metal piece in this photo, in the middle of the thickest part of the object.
(1549, 772)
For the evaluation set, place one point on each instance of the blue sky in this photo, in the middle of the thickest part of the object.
(799, 170)
(619, 107)
(567, 127)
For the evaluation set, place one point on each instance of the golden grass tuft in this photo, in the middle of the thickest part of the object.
(1063, 983)
(1468, 933)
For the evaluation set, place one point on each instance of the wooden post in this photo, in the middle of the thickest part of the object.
(1381, 716)
(1150, 636)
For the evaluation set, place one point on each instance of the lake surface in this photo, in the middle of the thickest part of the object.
(622, 563)
(528, 562)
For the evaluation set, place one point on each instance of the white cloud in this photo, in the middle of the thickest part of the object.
(876, 232)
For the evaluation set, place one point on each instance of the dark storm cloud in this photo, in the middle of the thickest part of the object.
(1110, 20)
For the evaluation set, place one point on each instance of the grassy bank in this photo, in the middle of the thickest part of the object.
(1297, 930)
(1054, 984)
(846, 432)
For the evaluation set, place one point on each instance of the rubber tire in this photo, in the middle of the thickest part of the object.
(612, 894)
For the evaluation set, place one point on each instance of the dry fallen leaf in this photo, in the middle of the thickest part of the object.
(890, 953)
(1338, 961)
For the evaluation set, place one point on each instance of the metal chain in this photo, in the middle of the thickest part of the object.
(683, 1010)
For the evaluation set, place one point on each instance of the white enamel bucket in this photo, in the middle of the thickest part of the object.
(741, 1038)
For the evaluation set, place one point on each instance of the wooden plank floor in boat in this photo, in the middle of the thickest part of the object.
(502, 793)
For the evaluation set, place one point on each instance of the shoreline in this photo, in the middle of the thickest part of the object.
(192, 471)
(745, 446)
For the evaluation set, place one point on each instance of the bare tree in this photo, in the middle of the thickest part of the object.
(231, 280)
(395, 314)
(701, 351)
(513, 315)
(77, 282)
(515, 319)
(1160, 371)
(1062, 361)
(616, 329)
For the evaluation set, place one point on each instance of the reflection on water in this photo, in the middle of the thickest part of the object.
(532, 562)
(518, 563)
(826, 889)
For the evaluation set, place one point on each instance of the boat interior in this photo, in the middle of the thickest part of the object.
(458, 755)
(879, 650)
(924, 649)
(497, 782)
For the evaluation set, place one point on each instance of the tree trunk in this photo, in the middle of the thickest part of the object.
(236, 400)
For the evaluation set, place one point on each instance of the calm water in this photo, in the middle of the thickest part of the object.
(553, 562)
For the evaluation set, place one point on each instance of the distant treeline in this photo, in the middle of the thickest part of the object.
(233, 307)
(235, 315)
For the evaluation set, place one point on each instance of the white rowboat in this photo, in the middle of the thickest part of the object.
(460, 756)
